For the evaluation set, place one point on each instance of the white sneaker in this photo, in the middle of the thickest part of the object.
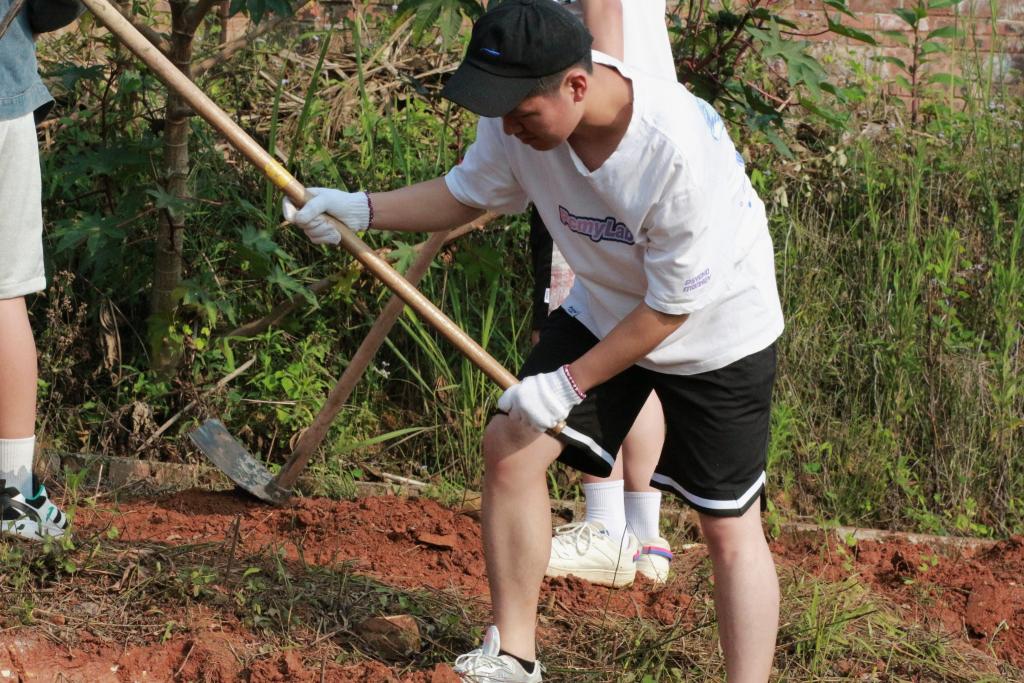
(35, 518)
(653, 558)
(586, 550)
(485, 665)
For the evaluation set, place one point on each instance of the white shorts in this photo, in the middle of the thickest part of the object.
(21, 215)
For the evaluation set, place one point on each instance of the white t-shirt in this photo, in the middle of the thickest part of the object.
(645, 43)
(670, 219)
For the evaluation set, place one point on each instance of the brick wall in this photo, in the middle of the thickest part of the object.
(993, 31)
(992, 34)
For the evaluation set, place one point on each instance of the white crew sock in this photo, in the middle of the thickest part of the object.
(604, 505)
(643, 512)
(16, 463)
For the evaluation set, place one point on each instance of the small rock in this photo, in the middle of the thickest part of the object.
(988, 606)
(292, 663)
(443, 673)
(444, 542)
(391, 637)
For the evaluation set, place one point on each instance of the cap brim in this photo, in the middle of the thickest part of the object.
(485, 93)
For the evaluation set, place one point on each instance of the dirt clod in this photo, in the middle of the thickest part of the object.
(391, 637)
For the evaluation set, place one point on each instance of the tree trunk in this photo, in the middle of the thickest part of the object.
(165, 352)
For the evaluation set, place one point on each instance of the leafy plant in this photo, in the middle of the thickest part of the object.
(755, 65)
(925, 47)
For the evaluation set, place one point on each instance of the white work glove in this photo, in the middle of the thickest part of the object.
(351, 208)
(542, 401)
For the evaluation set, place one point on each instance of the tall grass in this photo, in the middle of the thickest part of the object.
(900, 389)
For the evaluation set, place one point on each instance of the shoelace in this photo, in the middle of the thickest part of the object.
(476, 663)
(579, 532)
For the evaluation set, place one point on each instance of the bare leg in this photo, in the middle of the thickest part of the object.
(516, 527)
(642, 448)
(746, 594)
(18, 371)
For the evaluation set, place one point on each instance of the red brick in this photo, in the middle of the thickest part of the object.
(974, 8)
(1011, 9)
(862, 22)
(857, 6)
(1013, 29)
(986, 42)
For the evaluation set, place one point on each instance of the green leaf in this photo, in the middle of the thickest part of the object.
(167, 201)
(944, 32)
(256, 9)
(849, 32)
(907, 15)
(931, 48)
(841, 6)
(357, 445)
(289, 285)
(899, 36)
(402, 256)
(444, 15)
(891, 60)
(780, 145)
(830, 116)
(946, 79)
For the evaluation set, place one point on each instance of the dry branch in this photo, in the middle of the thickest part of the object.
(232, 47)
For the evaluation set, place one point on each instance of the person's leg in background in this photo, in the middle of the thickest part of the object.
(641, 502)
(625, 498)
(17, 396)
(25, 509)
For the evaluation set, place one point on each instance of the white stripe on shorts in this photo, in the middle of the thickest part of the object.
(594, 447)
(707, 503)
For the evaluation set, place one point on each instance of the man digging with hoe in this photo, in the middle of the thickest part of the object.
(675, 292)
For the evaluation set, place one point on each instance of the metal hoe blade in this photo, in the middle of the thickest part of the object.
(231, 457)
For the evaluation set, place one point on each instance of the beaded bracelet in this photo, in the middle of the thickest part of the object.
(572, 382)
(369, 204)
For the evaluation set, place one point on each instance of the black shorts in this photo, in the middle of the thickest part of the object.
(717, 422)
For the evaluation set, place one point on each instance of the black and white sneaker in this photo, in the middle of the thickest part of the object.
(35, 518)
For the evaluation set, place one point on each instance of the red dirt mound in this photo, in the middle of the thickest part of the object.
(412, 543)
(975, 593)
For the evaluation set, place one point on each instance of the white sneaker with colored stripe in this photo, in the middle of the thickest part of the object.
(34, 518)
(486, 665)
(653, 558)
(586, 550)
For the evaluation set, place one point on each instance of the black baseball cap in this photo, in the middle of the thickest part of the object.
(514, 45)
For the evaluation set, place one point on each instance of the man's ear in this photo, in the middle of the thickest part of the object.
(578, 81)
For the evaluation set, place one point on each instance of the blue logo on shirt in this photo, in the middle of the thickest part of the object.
(490, 52)
(711, 117)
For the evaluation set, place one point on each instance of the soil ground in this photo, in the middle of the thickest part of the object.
(212, 586)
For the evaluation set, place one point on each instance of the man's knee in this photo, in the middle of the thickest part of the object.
(511, 449)
(730, 538)
(498, 440)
